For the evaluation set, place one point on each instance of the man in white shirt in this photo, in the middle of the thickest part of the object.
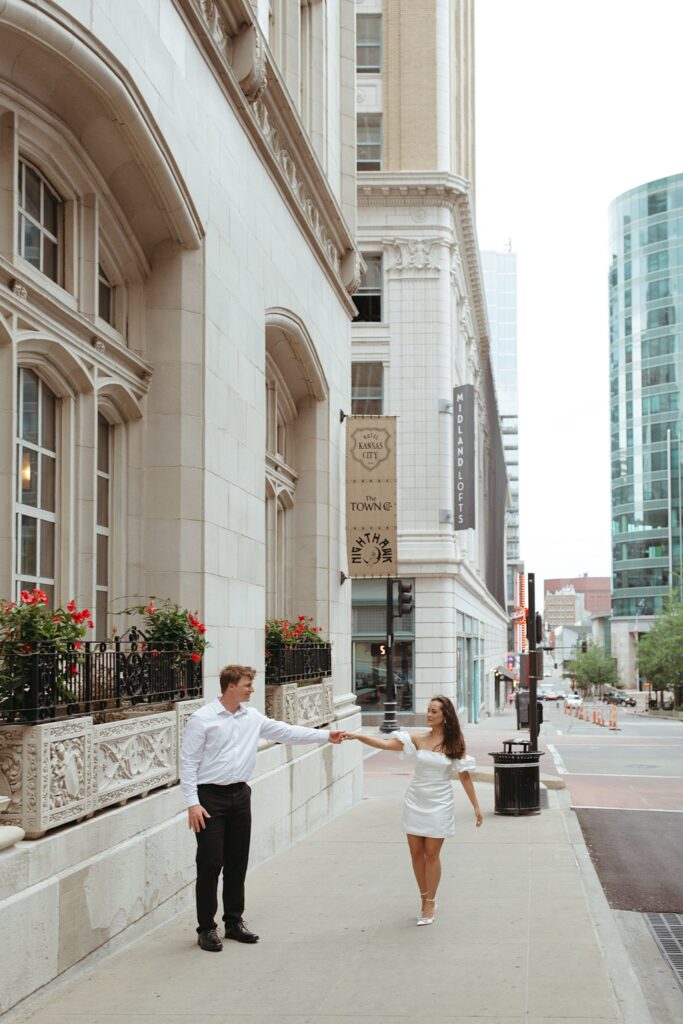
(217, 757)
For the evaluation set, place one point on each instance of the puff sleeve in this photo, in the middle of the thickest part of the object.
(464, 764)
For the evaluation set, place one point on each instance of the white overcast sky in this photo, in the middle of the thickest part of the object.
(576, 103)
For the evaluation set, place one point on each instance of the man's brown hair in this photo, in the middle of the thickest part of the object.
(232, 674)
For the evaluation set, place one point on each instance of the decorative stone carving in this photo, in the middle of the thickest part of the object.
(249, 62)
(289, 167)
(18, 289)
(61, 771)
(213, 20)
(98, 344)
(311, 704)
(134, 756)
(352, 270)
(413, 254)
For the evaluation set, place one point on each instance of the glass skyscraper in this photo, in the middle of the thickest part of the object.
(646, 362)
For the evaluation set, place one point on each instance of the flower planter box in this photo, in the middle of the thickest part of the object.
(311, 704)
(46, 685)
(64, 770)
(298, 663)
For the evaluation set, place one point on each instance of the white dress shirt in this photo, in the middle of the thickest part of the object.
(220, 747)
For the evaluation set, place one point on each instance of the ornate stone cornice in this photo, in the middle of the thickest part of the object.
(232, 41)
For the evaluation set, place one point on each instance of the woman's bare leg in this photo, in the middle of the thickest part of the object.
(432, 868)
(417, 855)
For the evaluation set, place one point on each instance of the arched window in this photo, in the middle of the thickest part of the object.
(36, 499)
(39, 215)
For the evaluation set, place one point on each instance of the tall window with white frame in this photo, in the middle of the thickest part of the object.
(281, 480)
(367, 391)
(103, 525)
(369, 142)
(36, 498)
(369, 43)
(105, 297)
(368, 298)
(38, 220)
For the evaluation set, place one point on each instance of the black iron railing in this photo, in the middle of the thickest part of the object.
(93, 677)
(295, 664)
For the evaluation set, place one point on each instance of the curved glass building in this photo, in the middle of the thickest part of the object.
(646, 347)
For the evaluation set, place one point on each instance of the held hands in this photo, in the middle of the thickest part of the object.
(196, 816)
(339, 735)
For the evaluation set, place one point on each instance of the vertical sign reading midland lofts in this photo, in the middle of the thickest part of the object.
(463, 457)
(371, 495)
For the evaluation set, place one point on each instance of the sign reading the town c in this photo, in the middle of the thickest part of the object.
(463, 457)
(371, 495)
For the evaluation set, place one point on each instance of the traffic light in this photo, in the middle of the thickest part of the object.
(539, 628)
(405, 597)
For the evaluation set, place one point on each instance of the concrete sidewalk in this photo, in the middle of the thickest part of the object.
(523, 933)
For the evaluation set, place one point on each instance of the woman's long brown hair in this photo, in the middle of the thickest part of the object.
(453, 745)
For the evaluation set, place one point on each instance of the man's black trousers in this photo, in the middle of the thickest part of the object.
(223, 843)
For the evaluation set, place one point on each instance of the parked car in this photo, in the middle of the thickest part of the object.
(573, 700)
(620, 697)
(549, 695)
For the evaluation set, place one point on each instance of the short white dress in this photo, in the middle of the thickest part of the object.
(428, 804)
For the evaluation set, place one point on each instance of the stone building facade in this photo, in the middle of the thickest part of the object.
(422, 331)
(177, 258)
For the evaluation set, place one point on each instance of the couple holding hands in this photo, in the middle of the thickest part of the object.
(218, 756)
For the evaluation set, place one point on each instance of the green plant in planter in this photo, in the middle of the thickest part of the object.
(171, 628)
(283, 633)
(29, 629)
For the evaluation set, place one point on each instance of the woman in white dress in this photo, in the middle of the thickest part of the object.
(428, 807)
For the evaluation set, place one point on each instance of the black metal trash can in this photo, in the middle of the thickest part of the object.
(516, 778)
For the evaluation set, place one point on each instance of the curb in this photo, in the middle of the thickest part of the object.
(549, 781)
(630, 998)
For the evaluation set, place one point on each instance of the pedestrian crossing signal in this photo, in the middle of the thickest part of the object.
(378, 650)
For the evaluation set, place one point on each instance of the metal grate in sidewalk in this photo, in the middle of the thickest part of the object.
(668, 932)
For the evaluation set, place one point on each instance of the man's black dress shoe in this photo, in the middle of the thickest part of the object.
(209, 941)
(238, 931)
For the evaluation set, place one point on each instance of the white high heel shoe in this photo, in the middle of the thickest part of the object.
(424, 918)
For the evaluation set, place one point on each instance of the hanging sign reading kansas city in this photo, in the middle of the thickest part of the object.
(463, 457)
(371, 495)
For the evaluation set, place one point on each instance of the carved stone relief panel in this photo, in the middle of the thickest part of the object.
(134, 756)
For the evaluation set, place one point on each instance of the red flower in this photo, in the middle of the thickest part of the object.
(26, 648)
(78, 645)
(91, 624)
(71, 607)
(149, 609)
(74, 670)
(155, 654)
(196, 658)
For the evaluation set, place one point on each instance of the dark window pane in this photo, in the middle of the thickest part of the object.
(50, 210)
(28, 477)
(31, 243)
(32, 192)
(48, 427)
(102, 501)
(29, 423)
(47, 483)
(103, 434)
(47, 550)
(656, 203)
(101, 614)
(366, 389)
(49, 267)
(50, 593)
(28, 559)
(102, 560)
(369, 308)
(104, 301)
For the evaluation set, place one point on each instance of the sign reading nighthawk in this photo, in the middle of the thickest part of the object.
(371, 495)
(463, 457)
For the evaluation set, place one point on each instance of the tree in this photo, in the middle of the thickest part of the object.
(591, 668)
(660, 651)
